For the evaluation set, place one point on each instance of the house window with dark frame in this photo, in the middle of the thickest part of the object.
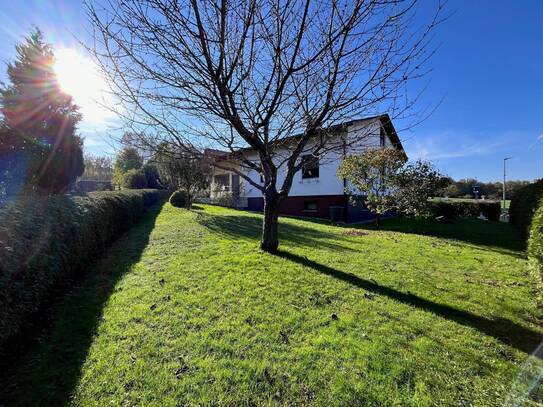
(310, 206)
(310, 167)
(382, 136)
(222, 182)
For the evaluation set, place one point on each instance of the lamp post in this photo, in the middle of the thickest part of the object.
(504, 160)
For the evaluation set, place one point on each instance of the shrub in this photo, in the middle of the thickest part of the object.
(226, 199)
(446, 210)
(179, 199)
(491, 210)
(523, 206)
(535, 242)
(417, 182)
(466, 209)
(46, 240)
(151, 176)
(134, 179)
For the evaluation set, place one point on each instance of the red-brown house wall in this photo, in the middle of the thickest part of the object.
(294, 205)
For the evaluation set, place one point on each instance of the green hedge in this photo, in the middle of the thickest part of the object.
(134, 179)
(466, 209)
(523, 206)
(535, 242)
(178, 199)
(45, 240)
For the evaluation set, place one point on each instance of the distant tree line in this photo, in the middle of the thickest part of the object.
(167, 168)
(97, 168)
(472, 188)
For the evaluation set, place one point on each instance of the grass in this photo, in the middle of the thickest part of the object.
(186, 310)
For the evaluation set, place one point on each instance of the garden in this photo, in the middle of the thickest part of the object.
(185, 309)
(126, 298)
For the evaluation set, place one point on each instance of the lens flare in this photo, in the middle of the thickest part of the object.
(78, 76)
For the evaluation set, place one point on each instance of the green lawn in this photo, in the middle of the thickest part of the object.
(186, 310)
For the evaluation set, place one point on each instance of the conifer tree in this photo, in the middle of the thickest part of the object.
(39, 144)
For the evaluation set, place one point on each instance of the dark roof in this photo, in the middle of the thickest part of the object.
(216, 153)
(386, 122)
(391, 131)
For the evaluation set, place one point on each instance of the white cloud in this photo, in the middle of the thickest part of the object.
(449, 145)
(536, 141)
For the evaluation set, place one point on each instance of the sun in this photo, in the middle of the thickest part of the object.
(78, 76)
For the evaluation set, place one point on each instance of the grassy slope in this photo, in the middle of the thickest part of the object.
(186, 310)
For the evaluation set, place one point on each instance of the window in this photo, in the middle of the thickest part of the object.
(382, 136)
(310, 206)
(310, 166)
(222, 182)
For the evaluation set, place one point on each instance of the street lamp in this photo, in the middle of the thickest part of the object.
(504, 160)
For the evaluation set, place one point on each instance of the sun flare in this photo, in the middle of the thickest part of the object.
(78, 76)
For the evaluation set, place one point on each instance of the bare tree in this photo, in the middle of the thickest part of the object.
(252, 73)
(97, 168)
(182, 171)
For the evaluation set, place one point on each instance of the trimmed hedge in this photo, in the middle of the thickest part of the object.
(535, 242)
(178, 199)
(134, 179)
(523, 206)
(473, 208)
(45, 240)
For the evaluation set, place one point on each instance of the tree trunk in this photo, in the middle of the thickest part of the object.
(377, 220)
(270, 238)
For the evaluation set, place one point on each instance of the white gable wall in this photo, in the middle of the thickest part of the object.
(327, 183)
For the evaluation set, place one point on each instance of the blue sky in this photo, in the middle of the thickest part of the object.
(488, 71)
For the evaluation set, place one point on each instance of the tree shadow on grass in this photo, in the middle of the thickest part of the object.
(48, 373)
(506, 331)
(474, 231)
(250, 228)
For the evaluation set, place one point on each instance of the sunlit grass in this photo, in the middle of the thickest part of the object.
(185, 310)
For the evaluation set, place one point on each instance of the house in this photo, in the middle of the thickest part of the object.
(316, 191)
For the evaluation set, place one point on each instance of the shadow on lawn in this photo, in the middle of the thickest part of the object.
(250, 227)
(49, 372)
(506, 331)
(474, 231)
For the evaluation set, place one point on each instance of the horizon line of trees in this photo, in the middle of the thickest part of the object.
(472, 188)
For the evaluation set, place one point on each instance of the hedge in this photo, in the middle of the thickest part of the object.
(178, 199)
(46, 240)
(469, 208)
(134, 179)
(523, 205)
(535, 242)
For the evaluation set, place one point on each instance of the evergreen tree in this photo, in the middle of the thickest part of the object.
(40, 122)
(128, 159)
